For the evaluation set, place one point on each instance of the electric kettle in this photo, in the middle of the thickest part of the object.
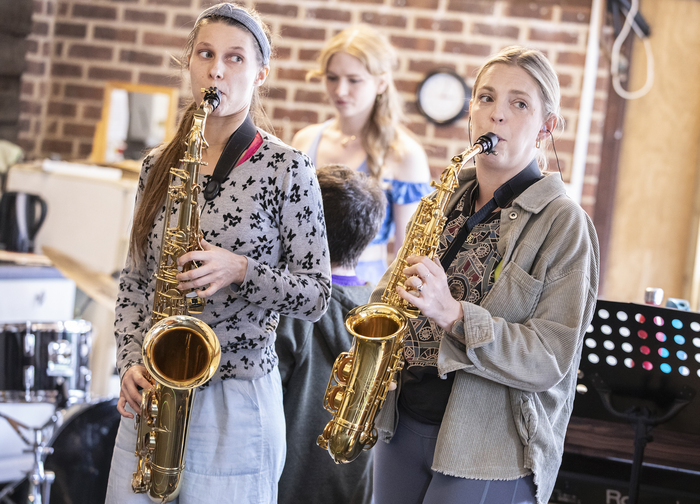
(21, 216)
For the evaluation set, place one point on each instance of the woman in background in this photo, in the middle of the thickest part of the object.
(366, 134)
(264, 253)
(486, 393)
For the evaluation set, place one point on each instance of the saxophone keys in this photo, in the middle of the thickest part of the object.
(369, 440)
(343, 369)
(335, 398)
(150, 441)
(195, 304)
(322, 439)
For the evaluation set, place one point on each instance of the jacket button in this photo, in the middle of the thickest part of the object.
(513, 215)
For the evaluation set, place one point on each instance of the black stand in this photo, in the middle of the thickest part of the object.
(644, 363)
(643, 420)
(39, 480)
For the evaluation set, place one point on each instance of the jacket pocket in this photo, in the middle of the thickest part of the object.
(514, 284)
(524, 414)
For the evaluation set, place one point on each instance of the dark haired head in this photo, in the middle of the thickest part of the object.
(354, 206)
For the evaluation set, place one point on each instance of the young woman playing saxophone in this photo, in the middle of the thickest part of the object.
(264, 253)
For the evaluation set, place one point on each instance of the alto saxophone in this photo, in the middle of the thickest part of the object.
(360, 378)
(179, 351)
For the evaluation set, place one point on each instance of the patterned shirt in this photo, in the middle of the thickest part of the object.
(470, 276)
(269, 210)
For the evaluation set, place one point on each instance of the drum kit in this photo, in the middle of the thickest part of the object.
(56, 442)
(51, 432)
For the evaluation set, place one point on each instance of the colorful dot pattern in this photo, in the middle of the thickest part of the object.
(640, 349)
(668, 342)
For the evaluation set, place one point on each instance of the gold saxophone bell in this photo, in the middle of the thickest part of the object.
(179, 351)
(377, 330)
(360, 378)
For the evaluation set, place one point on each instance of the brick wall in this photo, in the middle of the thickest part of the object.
(15, 25)
(76, 47)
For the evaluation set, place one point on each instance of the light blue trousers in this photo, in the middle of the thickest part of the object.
(235, 451)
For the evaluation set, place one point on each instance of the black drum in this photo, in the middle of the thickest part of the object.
(39, 362)
(83, 445)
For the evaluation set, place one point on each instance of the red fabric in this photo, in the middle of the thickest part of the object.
(254, 146)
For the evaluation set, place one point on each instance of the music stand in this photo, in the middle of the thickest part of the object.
(644, 363)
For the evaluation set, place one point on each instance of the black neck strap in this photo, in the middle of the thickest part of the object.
(502, 197)
(237, 144)
(456, 245)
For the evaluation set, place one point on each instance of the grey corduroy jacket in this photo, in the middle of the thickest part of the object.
(517, 360)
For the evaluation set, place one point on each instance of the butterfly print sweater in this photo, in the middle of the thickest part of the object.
(269, 210)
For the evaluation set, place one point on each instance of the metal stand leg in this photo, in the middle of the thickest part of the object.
(644, 421)
(7, 490)
(39, 480)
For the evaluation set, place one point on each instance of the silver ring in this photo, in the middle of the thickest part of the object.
(420, 288)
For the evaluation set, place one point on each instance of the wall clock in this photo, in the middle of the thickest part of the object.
(443, 96)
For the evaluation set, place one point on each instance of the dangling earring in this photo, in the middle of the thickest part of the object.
(378, 98)
(537, 143)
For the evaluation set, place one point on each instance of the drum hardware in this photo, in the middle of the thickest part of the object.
(39, 479)
(82, 440)
(45, 362)
(29, 346)
(42, 366)
(28, 382)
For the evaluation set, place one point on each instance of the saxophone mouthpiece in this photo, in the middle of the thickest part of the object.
(212, 96)
(488, 141)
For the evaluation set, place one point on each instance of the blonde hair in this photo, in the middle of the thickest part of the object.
(157, 184)
(380, 132)
(536, 64)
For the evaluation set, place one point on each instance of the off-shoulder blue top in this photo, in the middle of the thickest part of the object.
(397, 192)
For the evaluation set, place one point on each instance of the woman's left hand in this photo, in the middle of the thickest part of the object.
(429, 291)
(217, 268)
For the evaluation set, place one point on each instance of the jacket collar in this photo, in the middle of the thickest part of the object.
(533, 199)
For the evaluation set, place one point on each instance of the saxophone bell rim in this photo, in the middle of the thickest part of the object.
(195, 325)
(366, 312)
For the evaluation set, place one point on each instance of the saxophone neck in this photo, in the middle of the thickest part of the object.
(195, 138)
(423, 235)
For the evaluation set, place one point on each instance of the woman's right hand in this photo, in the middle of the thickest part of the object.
(136, 376)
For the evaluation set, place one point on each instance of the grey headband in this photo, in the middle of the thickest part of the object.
(237, 14)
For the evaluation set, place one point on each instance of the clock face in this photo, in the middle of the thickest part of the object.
(443, 97)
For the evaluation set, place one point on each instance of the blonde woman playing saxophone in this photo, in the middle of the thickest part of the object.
(489, 380)
(264, 253)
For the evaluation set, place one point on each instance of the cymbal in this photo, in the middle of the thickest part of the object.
(99, 286)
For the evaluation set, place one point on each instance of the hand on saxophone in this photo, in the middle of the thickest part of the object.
(136, 376)
(217, 268)
(429, 291)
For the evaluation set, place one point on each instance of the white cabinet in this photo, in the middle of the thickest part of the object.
(35, 294)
